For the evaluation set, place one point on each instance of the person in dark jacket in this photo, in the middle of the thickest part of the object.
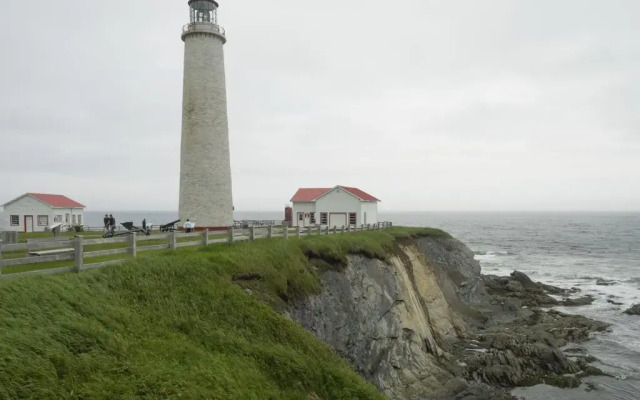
(112, 222)
(107, 223)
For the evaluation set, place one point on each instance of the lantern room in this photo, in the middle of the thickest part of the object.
(203, 11)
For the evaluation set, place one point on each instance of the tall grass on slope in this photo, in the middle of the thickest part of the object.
(168, 326)
(174, 325)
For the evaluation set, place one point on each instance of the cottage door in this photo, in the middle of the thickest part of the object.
(339, 220)
(28, 223)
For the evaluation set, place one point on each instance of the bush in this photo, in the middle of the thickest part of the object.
(75, 228)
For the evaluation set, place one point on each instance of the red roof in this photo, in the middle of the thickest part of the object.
(56, 200)
(362, 195)
(312, 194)
(308, 194)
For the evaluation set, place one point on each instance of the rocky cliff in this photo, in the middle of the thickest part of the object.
(423, 323)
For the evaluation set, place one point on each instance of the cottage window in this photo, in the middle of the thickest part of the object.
(57, 218)
(323, 219)
(300, 217)
(15, 220)
(353, 218)
(74, 218)
(66, 218)
(312, 218)
(43, 220)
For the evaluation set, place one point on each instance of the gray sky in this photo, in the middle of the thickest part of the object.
(428, 105)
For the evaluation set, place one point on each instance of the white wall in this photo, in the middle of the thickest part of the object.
(303, 208)
(30, 206)
(371, 208)
(25, 206)
(78, 212)
(339, 201)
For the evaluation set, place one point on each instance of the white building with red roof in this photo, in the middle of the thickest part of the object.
(33, 212)
(340, 206)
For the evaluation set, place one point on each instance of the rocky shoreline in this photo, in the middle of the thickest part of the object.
(426, 324)
(523, 344)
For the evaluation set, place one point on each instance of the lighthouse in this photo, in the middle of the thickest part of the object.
(205, 165)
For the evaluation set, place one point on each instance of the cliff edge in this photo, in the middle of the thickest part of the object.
(423, 323)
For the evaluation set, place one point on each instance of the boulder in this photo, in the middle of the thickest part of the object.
(514, 286)
(580, 301)
(635, 310)
(604, 282)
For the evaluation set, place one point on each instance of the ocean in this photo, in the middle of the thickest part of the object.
(561, 249)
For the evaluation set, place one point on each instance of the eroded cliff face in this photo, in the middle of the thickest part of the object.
(425, 324)
(392, 321)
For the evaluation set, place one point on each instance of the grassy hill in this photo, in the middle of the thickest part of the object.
(175, 325)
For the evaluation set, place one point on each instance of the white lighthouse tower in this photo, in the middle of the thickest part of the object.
(205, 166)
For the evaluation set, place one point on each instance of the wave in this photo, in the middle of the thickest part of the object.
(493, 253)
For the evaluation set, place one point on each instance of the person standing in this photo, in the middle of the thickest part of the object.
(112, 222)
(106, 223)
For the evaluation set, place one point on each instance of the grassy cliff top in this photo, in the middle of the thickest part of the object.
(175, 325)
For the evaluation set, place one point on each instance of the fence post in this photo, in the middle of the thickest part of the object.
(77, 256)
(270, 231)
(286, 232)
(205, 237)
(299, 232)
(230, 234)
(309, 231)
(335, 230)
(252, 233)
(0, 257)
(326, 228)
(342, 229)
(349, 228)
(133, 242)
(173, 241)
(319, 230)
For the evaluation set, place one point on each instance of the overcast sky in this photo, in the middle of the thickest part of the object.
(426, 104)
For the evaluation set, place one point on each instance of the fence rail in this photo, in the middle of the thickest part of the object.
(73, 250)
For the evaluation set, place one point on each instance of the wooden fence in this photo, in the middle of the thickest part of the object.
(74, 249)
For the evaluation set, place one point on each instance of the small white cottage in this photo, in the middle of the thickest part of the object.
(33, 212)
(334, 207)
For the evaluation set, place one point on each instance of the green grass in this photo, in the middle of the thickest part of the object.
(333, 248)
(173, 324)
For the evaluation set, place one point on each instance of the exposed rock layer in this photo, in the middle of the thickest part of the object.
(425, 324)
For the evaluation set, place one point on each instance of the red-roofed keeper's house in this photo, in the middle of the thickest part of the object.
(340, 206)
(33, 212)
